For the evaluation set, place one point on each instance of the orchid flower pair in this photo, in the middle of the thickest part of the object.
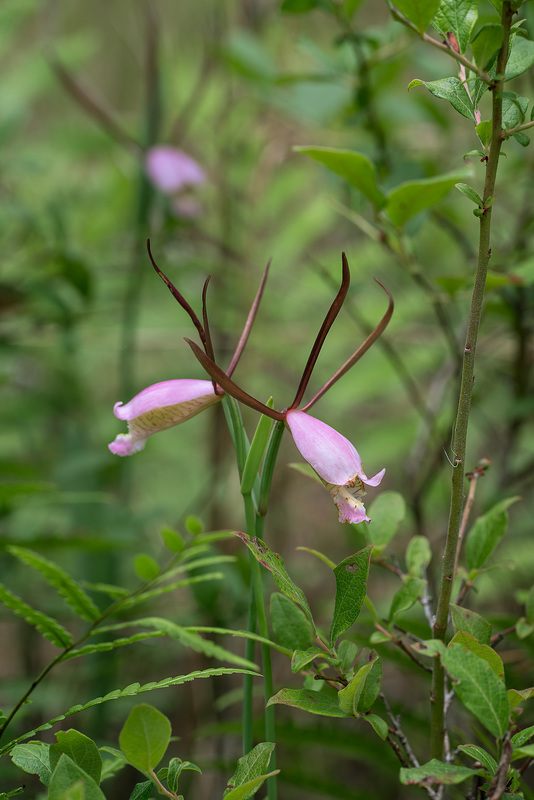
(335, 460)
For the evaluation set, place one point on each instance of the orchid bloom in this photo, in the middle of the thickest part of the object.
(335, 460)
(166, 404)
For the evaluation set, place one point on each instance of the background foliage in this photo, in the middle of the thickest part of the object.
(84, 322)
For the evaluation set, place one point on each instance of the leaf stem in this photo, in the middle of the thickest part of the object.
(437, 733)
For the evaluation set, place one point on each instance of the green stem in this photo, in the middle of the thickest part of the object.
(437, 733)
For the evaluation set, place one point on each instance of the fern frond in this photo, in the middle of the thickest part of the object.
(148, 595)
(47, 626)
(102, 647)
(61, 581)
(130, 691)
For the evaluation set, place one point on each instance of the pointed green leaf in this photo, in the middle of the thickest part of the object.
(301, 658)
(418, 555)
(67, 587)
(470, 193)
(351, 587)
(289, 623)
(68, 775)
(34, 758)
(514, 109)
(347, 652)
(46, 626)
(479, 754)
(145, 737)
(478, 688)
(256, 451)
(387, 512)
(437, 772)
(412, 197)
(481, 650)
(354, 167)
(519, 696)
(465, 620)
(81, 749)
(275, 563)
(452, 90)
(486, 44)
(420, 12)
(142, 791)
(312, 702)
(459, 17)
(486, 533)
(249, 788)
(250, 767)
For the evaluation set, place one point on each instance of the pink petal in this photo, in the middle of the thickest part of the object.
(171, 169)
(349, 507)
(159, 407)
(332, 456)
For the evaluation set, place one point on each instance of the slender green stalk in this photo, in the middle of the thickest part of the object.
(437, 732)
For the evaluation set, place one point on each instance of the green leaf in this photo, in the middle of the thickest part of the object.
(142, 791)
(378, 724)
(437, 772)
(189, 638)
(412, 197)
(130, 691)
(517, 696)
(34, 758)
(465, 620)
(420, 12)
(361, 692)
(301, 658)
(256, 451)
(351, 587)
(312, 702)
(486, 44)
(418, 555)
(470, 193)
(521, 737)
(289, 623)
(521, 57)
(486, 533)
(46, 626)
(481, 650)
(146, 567)
(387, 512)
(173, 541)
(82, 750)
(105, 647)
(459, 17)
(524, 141)
(249, 788)
(67, 587)
(250, 767)
(354, 167)
(347, 652)
(275, 563)
(145, 737)
(66, 776)
(514, 109)
(194, 525)
(408, 596)
(452, 90)
(175, 769)
(484, 133)
(478, 688)
(479, 754)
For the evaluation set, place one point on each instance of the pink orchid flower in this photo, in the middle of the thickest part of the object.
(171, 170)
(335, 460)
(169, 403)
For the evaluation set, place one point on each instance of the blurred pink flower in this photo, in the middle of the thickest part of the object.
(335, 460)
(172, 170)
(159, 407)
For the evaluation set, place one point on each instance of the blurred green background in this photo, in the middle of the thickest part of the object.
(84, 322)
